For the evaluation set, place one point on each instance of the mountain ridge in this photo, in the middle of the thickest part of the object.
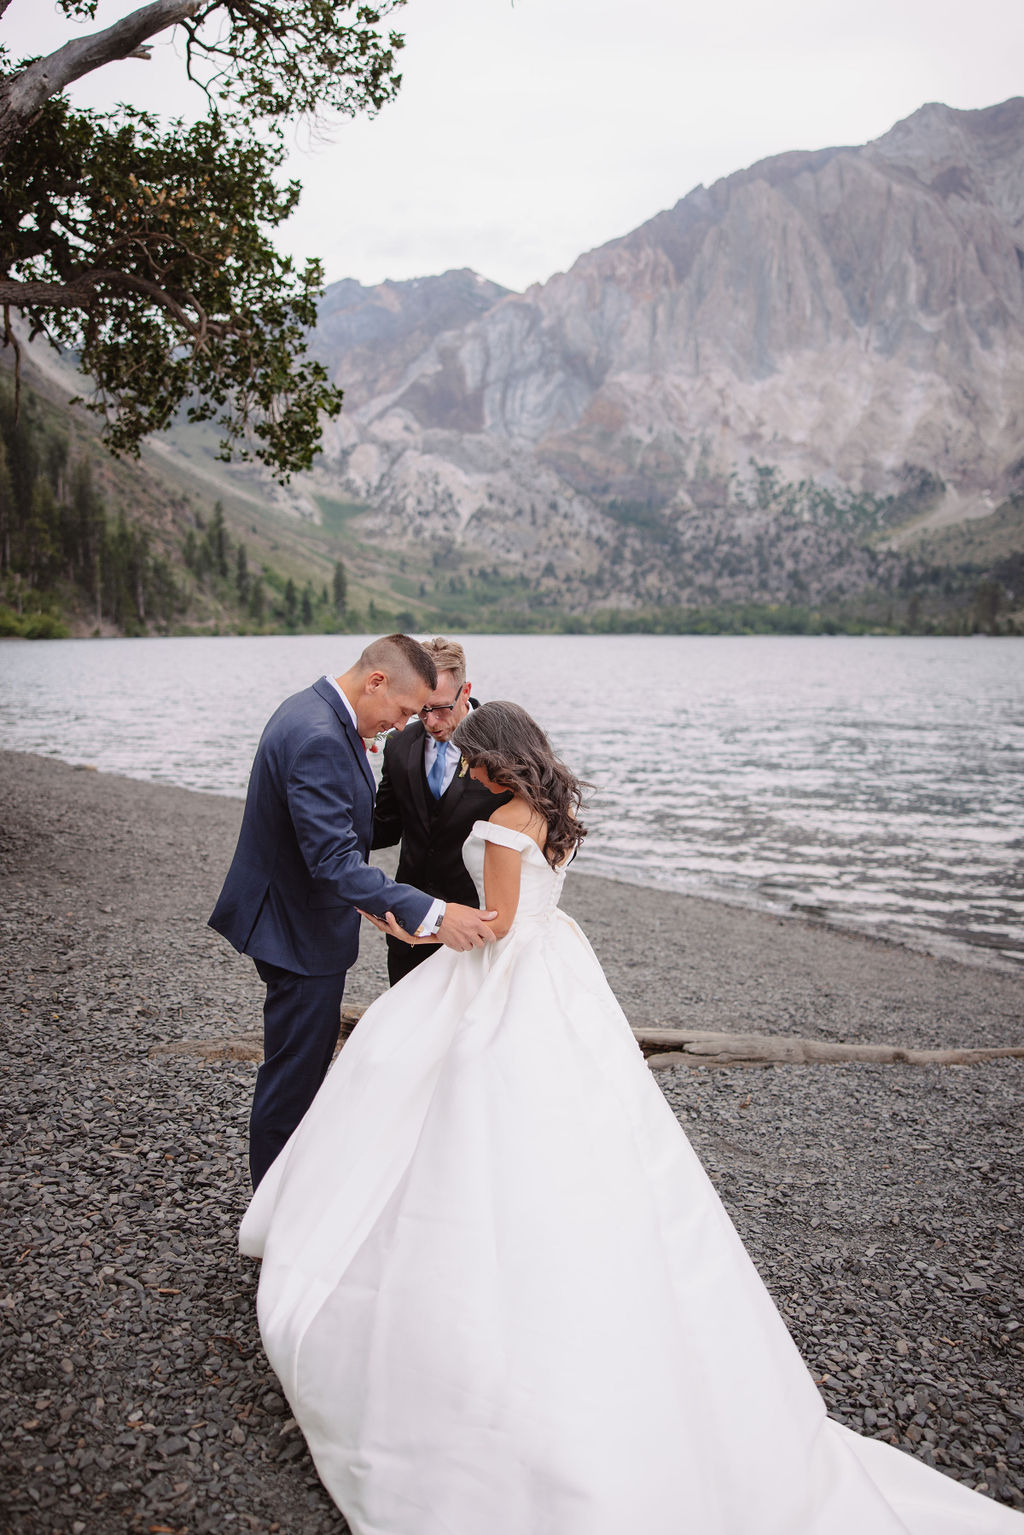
(799, 389)
(851, 318)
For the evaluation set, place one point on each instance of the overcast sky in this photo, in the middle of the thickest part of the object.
(526, 134)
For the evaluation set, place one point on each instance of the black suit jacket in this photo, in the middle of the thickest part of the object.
(431, 856)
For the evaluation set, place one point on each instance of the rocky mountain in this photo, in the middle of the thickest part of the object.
(752, 396)
(381, 332)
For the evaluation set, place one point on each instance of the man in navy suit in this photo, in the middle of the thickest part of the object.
(299, 872)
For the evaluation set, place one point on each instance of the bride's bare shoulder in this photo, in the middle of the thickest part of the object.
(517, 815)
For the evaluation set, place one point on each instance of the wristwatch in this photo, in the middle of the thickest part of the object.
(423, 931)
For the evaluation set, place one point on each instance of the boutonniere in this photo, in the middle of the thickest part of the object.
(378, 740)
(463, 765)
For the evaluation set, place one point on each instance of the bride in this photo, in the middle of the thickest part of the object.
(499, 1290)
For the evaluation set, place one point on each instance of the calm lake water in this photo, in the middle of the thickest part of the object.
(874, 783)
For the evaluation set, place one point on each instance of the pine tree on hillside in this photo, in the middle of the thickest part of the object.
(340, 589)
(218, 539)
(6, 511)
(242, 573)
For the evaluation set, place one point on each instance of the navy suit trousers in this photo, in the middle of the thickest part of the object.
(301, 1024)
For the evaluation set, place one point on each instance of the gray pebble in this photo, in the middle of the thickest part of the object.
(882, 1205)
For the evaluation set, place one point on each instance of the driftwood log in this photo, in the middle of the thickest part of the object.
(668, 1047)
(706, 1047)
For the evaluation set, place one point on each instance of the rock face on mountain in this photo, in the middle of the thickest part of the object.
(369, 337)
(850, 317)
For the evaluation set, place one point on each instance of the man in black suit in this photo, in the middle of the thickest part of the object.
(428, 801)
(299, 873)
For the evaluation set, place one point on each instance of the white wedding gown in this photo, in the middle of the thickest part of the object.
(503, 1298)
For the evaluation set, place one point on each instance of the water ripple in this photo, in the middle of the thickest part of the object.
(874, 783)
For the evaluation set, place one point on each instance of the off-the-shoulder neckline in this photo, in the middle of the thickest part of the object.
(523, 837)
(509, 831)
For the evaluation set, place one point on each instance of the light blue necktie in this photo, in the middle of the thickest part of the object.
(435, 778)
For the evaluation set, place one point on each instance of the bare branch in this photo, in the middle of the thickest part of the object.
(22, 94)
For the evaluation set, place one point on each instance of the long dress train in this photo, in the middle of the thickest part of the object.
(503, 1298)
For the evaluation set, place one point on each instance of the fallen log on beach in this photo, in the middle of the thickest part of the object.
(707, 1047)
(666, 1047)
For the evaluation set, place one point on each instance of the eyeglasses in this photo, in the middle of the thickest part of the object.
(437, 709)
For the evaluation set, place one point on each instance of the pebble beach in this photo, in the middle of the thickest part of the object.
(882, 1204)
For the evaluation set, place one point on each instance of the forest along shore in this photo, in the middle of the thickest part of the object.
(882, 1204)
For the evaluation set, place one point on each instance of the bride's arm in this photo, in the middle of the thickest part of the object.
(502, 870)
(502, 867)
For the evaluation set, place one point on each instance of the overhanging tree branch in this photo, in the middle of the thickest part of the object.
(22, 94)
(82, 292)
(145, 245)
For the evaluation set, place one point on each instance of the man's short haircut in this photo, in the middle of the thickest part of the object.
(402, 658)
(447, 656)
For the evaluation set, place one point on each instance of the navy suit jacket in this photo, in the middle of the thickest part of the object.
(300, 869)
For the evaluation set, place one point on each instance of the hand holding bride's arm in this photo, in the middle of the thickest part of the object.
(463, 927)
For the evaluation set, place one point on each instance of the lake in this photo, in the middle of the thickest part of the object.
(876, 783)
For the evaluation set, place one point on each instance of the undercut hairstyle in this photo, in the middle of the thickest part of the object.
(514, 752)
(447, 656)
(402, 658)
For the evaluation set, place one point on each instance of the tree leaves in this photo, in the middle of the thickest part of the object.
(291, 58)
(145, 247)
(145, 250)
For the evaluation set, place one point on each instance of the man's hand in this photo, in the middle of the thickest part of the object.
(389, 924)
(464, 927)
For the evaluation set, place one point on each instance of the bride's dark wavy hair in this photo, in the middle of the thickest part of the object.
(513, 751)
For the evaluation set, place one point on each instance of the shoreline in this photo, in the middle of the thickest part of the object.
(902, 814)
(985, 954)
(977, 952)
(758, 620)
(881, 1204)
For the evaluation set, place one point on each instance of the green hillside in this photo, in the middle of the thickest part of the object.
(173, 543)
(181, 543)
